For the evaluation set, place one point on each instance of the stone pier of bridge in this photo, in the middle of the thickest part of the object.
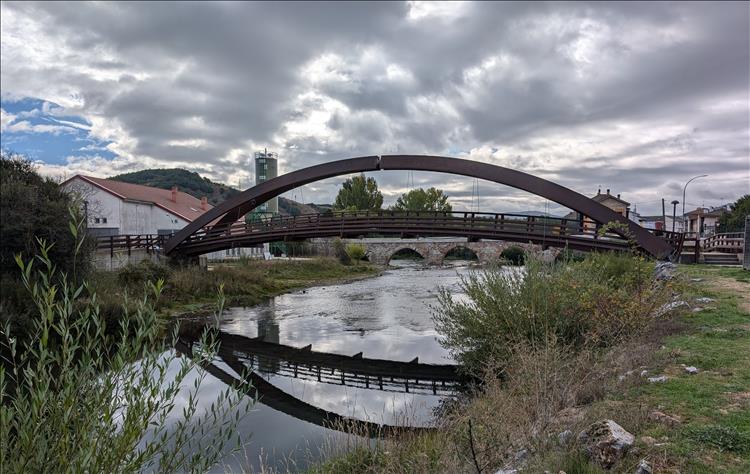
(433, 250)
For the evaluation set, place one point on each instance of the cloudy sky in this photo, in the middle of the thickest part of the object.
(635, 97)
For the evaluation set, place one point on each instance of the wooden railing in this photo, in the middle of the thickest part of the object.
(481, 225)
(729, 242)
(149, 242)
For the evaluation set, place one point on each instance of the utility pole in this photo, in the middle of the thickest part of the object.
(663, 214)
(674, 212)
(683, 198)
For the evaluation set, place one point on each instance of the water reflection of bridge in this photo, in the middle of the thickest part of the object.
(236, 352)
(353, 371)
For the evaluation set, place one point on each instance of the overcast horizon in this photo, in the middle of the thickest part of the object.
(632, 97)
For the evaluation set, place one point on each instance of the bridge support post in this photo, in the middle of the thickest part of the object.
(746, 250)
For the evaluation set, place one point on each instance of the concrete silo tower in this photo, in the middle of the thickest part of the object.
(267, 167)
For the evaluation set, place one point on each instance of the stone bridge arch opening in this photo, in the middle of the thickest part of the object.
(460, 253)
(406, 254)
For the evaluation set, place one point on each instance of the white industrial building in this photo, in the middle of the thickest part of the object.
(118, 208)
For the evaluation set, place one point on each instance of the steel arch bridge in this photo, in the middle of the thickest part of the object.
(221, 228)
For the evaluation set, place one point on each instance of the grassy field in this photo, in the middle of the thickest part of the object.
(714, 404)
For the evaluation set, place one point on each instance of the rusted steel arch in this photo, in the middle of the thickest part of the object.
(232, 209)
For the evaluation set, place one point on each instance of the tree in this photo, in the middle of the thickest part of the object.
(34, 207)
(420, 200)
(359, 193)
(734, 220)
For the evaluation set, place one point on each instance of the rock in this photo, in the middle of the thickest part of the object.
(644, 467)
(547, 256)
(696, 280)
(521, 456)
(644, 373)
(605, 442)
(564, 437)
(665, 271)
(705, 300)
(658, 379)
(666, 308)
(697, 310)
(507, 471)
(648, 440)
(691, 370)
(663, 418)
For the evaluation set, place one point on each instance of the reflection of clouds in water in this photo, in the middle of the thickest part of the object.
(386, 317)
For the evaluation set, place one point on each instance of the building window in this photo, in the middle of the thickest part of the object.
(96, 220)
(227, 251)
(104, 220)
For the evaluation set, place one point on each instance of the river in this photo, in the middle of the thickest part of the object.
(385, 317)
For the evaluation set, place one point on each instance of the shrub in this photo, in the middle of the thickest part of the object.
(146, 271)
(356, 252)
(594, 303)
(33, 206)
(76, 398)
(514, 255)
(339, 251)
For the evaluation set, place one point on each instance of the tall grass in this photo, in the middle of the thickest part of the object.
(76, 396)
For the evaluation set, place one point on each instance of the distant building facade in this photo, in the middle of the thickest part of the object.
(613, 202)
(118, 208)
(704, 221)
(661, 223)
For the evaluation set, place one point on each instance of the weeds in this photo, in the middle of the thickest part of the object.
(76, 397)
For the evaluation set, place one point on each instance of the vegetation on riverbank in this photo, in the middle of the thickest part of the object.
(246, 283)
(557, 377)
(77, 396)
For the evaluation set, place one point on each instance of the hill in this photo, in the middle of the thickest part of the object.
(198, 186)
(187, 182)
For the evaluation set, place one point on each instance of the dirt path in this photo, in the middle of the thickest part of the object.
(738, 288)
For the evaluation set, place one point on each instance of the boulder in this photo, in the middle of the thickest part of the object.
(605, 442)
(705, 300)
(658, 379)
(665, 271)
(691, 370)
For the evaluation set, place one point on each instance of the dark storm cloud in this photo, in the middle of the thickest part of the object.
(637, 96)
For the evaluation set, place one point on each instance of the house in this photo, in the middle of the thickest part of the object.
(704, 221)
(660, 222)
(613, 202)
(119, 208)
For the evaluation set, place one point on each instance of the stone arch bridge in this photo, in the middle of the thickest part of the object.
(432, 250)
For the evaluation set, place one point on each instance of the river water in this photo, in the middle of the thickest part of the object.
(385, 317)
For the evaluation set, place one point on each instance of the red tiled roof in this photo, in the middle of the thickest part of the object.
(187, 207)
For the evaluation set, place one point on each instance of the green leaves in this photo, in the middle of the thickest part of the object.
(432, 199)
(359, 194)
(77, 398)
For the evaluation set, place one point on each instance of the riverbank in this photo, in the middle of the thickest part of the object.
(192, 292)
(682, 389)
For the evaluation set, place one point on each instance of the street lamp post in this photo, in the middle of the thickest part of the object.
(674, 212)
(683, 198)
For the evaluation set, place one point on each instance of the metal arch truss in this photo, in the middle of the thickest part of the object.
(230, 211)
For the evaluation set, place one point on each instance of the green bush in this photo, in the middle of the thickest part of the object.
(33, 206)
(514, 255)
(356, 252)
(595, 303)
